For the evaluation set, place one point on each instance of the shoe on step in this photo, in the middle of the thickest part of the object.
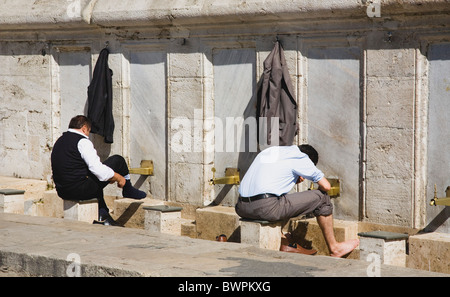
(296, 248)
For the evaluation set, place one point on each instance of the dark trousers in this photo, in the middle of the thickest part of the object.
(91, 187)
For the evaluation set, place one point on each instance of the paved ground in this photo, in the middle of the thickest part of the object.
(43, 246)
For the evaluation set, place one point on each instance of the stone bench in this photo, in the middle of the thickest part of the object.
(389, 246)
(81, 210)
(262, 234)
(12, 201)
(163, 219)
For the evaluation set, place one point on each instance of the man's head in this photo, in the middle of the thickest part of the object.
(310, 151)
(82, 123)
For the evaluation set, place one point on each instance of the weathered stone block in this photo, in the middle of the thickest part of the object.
(186, 178)
(185, 64)
(387, 196)
(85, 211)
(266, 235)
(391, 62)
(389, 246)
(390, 102)
(308, 233)
(34, 207)
(182, 88)
(163, 218)
(130, 213)
(216, 220)
(53, 205)
(188, 228)
(12, 201)
(430, 251)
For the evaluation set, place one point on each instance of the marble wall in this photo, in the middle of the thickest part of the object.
(372, 95)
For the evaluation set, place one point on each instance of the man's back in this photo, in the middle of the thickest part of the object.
(276, 170)
(67, 165)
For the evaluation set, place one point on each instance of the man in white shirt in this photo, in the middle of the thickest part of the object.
(264, 192)
(79, 174)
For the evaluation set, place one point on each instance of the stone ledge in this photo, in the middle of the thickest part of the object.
(93, 13)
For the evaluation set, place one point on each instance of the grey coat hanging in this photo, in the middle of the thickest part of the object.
(276, 98)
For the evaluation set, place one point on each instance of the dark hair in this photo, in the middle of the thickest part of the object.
(310, 151)
(79, 121)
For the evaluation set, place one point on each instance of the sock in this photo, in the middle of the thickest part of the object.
(103, 213)
(128, 191)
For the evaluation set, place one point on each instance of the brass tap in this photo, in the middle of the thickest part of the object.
(145, 169)
(335, 190)
(231, 177)
(441, 201)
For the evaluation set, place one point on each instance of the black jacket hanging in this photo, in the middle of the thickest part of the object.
(100, 99)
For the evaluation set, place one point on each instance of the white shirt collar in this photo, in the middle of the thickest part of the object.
(77, 132)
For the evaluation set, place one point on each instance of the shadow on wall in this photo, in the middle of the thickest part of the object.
(245, 158)
(438, 220)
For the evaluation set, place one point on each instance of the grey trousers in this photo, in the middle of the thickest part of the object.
(286, 206)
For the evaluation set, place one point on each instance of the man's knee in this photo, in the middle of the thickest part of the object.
(116, 159)
(325, 207)
(118, 164)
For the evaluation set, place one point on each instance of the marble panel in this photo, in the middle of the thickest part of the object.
(234, 87)
(334, 120)
(74, 79)
(438, 134)
(148, 117)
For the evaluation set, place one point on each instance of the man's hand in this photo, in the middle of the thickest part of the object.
(300, 179)
(119, 179)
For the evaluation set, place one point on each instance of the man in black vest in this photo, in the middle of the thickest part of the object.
(78, 173)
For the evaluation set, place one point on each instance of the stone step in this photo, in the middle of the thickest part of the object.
(429, 251)
(425, 251)
(262, 234)
(85, 211)
(163, 218)
(129, 212)
(11, 201)
(216, 220)
(188, 228)
(34, 188)
(388, 247)
(308, 233)
(51, 205)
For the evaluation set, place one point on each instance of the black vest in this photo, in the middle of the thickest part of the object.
(69, 169)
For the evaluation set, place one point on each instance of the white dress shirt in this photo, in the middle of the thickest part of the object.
(276, 170)
(90, 156)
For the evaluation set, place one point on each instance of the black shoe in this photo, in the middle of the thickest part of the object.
(128, 191)
(104, 218)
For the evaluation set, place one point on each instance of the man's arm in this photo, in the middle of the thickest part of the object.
(100, 170)
(324, 184)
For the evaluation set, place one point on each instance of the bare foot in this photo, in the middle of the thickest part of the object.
(343, 248)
